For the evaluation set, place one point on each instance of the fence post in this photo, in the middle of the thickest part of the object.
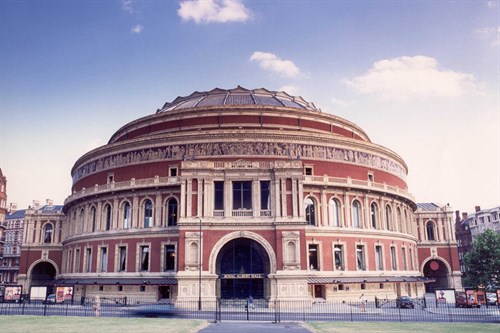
(350, 306)
(399, 313)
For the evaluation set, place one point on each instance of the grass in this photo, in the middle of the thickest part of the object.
(30, 324)
(393, 327)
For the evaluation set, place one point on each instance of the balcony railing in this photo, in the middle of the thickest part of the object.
(364, 184)
(242, 213)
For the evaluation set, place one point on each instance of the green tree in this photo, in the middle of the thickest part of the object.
(483, 261)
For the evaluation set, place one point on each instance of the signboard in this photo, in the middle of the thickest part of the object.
(64, 294)
(38, 293)
(12, 293)
(242, 276)
(445, 296)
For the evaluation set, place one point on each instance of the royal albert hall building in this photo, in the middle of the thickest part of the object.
(232, 193)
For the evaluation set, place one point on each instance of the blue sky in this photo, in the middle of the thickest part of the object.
(420, 77)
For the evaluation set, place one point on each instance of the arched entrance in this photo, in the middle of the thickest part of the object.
(242, 266)
(43, 274)
(436, 269)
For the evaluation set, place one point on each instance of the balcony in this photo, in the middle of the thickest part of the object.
(358, 184)
(126, 185)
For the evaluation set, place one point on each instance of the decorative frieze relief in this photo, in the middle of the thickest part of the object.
(200, 150)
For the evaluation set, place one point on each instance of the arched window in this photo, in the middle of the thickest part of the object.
(334, 212)
(310, 211)
(47, 233)
(400, 221)
(93, 217)
(126, 215)
(388, 213)
(172, 212)
(107, 211)
(356, 214)
(82, 220)
(429, 226)
(373, 215)
(148, 213)
(291, 251)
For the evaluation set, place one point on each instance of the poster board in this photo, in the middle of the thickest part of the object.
(12, 293)
(445, 296)
(64, 294)
(38, 293)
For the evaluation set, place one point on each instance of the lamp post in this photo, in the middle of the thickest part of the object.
(199, 267)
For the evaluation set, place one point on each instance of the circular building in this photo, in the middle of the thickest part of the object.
(237, 193)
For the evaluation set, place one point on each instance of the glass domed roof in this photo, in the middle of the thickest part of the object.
(238, 96)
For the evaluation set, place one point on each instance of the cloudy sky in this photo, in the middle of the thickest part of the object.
(420, 77)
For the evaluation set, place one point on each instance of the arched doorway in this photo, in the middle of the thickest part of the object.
(43, 274)
(242, 266)
(436, 269)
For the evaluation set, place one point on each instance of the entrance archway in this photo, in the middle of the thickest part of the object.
(43, 274)
(437, 270)
(242, 266)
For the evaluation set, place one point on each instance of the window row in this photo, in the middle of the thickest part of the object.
(388, 221)
(103, 220)
(97, 259)
(242, 197)
(340, 263)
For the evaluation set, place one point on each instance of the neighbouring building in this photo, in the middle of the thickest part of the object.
(3, 213)
(437, 246)
(32, 235)
(470, 226)
(232, 193)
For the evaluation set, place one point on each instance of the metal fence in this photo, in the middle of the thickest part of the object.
(259, 310)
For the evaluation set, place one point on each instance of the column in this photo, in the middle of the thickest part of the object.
(157, 211)
(347, 209)
(300, 198)
(134, 214)
(255, 198)
(295, 198)
(115, 218)
(183, 200)
(324, 210)
(189, 196)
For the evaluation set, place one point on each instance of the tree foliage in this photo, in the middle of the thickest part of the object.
(483, 261)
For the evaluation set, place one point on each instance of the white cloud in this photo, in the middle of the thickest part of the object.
(127, 6)
(208, 11)
(290, 89)
(137, 29)
(491, 34)
(339, 102)
(273, 63)
(406, 78)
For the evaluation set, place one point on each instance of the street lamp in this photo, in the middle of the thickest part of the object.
(199, 267)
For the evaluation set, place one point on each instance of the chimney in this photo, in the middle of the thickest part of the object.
(49, 202)
(36, 204)
(464, 215)
(12, 207)
(478, 208)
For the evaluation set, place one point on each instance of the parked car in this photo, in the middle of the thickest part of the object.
(51, 299)
(405, 302)
(491, 298)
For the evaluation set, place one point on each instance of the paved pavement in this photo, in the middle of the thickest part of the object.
(253, 327)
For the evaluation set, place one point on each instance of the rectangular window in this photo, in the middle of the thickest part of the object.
(308, 171)
(403, 253)
(265, 195)
(104, 259)
(144, 258)
(120, 288)
(394, 264)
(313, 256)
(142, 288)
(338, 257)
(242, 195)
(170, 257)
(379, 261)
(122, 260)
(88, 258)
(218, 195)
(111, 178)
(360, 257)
(173, 172)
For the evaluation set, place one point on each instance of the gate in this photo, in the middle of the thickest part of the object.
(244, 309)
